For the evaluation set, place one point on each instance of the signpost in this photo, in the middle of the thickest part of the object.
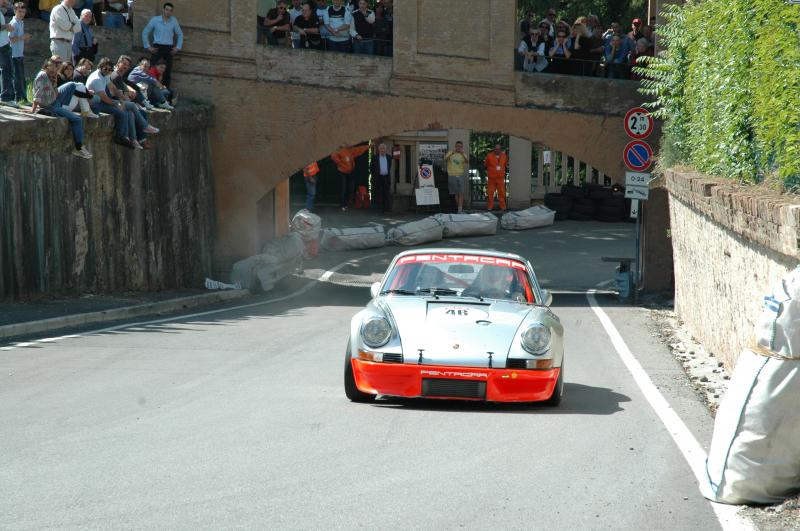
(637, 155)
(638, 123)
(637, 185)
(426, 192)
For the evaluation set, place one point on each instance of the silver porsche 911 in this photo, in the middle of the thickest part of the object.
(457, 324)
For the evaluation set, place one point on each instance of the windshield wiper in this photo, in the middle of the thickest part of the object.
(398, 292)
(438, 291)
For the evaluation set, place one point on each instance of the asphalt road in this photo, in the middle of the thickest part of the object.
(238, 419)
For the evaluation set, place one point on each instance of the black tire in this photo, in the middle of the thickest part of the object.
(558, 390)
(557, 201)
(571, 190)
(350, 389)
(598, 192)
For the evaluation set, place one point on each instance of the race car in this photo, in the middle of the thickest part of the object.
(457, 324)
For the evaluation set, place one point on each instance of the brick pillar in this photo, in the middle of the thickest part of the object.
(519, 173)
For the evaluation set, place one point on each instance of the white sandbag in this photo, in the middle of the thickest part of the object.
(416, 232)
(354, 238)
(530, 218)
(307, 224)
(755, 450)
(279, 258)
(477, 224)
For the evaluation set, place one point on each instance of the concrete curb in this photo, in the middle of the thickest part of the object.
(115, 314)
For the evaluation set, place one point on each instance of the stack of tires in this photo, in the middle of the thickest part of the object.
(586, 203)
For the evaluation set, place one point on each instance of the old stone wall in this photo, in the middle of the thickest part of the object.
(124, 220)
(731, 245)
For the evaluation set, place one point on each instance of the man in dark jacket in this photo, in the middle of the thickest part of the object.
(381, 170)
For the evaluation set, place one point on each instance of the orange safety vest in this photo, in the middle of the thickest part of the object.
(345, 159)
(311, 170)
(496, 166)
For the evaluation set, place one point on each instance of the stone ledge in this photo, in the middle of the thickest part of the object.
(767, 218)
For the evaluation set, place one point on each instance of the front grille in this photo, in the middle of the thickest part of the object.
(453, 388)
(392, 358)
(512, 363)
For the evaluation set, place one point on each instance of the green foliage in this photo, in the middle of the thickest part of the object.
(622, 11)
(728, 88)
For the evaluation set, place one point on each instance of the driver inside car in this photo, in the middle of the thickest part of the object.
(492, 282)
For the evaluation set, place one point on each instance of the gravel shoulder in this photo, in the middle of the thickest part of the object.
(710, 377)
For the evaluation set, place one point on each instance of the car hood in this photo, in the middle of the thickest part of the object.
(455, 331)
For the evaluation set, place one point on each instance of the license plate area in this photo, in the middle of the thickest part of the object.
(446, 387)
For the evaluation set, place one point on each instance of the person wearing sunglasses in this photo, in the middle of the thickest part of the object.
(560, 53)
(277, 25)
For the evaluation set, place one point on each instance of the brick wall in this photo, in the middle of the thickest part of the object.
(731, 244)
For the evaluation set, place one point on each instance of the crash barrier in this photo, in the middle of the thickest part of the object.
(308, 225)
(754, 455)
(530, 218)
(416, 232)
(352, 239)
(279, 258)
(477, 224)
(589, 202)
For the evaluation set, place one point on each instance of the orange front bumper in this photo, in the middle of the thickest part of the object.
(502, 385)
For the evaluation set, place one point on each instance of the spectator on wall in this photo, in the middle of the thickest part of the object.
(46, 97)
(45, 7)
(262, 9)
(81, 97)
(616, 56)
(532, 51)
(596, 46)
(167, 38)
(278, 24)
(526, 23)
(6, 64)
(559, 53)
(307, 26)
(345, 160)
(64, 24)
(550, 20)
(581, 46)
(82, 71)
(100, 85)
(84, 44)
(383, 32)
(338, 21)
(114, 13)
(363, 29)
(157, 71)
(381, 171)
(320, 10)
(295, 11)
(155, 92)
(17, 39)
(495, 164)
(636, 30)
(642, 49)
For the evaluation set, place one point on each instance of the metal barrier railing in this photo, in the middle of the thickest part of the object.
(380, 47)
(578, 67)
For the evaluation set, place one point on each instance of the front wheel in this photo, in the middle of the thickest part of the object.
(558, 390)
(350, 389)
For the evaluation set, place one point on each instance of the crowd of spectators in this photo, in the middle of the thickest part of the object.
(69, 85)
(582, 48)
(354, 26)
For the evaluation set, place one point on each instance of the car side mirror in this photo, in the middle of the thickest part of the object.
(373, 289)
(547, 296)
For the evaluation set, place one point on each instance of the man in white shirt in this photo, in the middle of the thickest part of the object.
(64, 24)
(6, 76)
(294, 12)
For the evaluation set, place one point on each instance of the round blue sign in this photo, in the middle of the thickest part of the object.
(638, 155)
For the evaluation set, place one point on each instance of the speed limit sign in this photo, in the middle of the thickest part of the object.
(638, 123)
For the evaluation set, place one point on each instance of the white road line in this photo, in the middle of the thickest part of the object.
(692, 452)
(324, 277)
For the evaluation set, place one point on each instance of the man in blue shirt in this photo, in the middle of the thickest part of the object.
(167, 39)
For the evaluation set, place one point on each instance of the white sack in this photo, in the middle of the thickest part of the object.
(307, 224)
(355, 238)
(530, 218)
(755, 451)
(477, 224)
(279, 258)
(425, 230)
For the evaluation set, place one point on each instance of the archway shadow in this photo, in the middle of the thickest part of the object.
(578, 399)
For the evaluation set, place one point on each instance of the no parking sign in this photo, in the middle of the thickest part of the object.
(425, 176)
(638, 155)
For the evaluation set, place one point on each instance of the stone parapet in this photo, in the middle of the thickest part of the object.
(123, 220)
(731, 245)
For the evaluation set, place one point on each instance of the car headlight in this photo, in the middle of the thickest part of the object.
(536, 339)
(376, 331)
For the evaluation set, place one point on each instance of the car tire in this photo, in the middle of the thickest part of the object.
(350, 389)
(558, 390)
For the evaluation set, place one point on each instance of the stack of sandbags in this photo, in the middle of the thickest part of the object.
(355, 238)
(530, 218)
(478, 224)
(279, 258)
(755, 451)
(416, 232)
(308, 225)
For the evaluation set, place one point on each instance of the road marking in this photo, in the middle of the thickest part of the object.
(324, 277)
(692, 452)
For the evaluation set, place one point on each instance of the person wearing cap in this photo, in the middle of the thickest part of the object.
(64, 24)
(636, 30)
(84, 44)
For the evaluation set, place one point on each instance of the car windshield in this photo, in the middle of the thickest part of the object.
(461, 275)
